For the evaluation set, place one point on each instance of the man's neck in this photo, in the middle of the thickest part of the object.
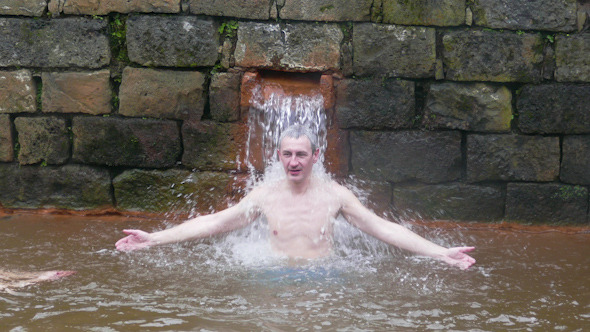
(299, 188)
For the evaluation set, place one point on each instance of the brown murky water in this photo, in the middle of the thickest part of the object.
(524, 280)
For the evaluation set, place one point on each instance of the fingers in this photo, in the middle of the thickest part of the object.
(135, 232)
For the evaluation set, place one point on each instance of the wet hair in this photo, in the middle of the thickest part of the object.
(298, 130)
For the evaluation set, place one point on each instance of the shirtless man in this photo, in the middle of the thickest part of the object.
(299, 210)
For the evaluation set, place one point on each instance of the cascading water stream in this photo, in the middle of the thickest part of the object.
(269, 117)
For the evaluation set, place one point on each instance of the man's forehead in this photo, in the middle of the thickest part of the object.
(301, 139)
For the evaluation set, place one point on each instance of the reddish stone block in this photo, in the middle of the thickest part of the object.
(164, 94)
(77, 92)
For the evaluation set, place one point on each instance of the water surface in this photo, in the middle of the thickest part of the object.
(523, 280)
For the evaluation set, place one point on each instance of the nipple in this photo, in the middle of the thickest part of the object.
(275, 232)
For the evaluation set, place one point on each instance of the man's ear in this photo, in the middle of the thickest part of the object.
(316, 155)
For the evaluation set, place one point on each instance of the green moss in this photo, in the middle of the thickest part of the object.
(568, 192)
(229, 29)
(326, 7)
(118, 37)
(346, 31)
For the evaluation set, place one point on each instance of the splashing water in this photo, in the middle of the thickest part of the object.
(268, 117)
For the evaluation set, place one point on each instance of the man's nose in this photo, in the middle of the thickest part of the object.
(293, 160)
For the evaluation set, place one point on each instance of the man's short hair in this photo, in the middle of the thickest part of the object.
(298, 130)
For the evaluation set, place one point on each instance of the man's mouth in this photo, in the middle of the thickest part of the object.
(294, 171)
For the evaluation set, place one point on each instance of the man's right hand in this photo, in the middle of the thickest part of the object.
(134, 240)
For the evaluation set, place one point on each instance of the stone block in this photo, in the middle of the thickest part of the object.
(42, 139)
(213, 146)
(73, 187)
(326, 10)
(481, 55)
(547, 15)
(23, 7)
(375, 104)
(424, 12)
(473, 107)
(126, 142)
(554, 109)
(224, 96)
(289, 46)
(512, 158)
(6, 139)
(93, 7)
(160, 93)
(393, 51)
(455, 201)
(251, 9)
(546, 203)
(76, 92)
(337, 154)
(172, 41)
(18, 92)
(171, 191)
(571, 57)
(575, 163)
(430, 157)
(68, 42)
(375, 195)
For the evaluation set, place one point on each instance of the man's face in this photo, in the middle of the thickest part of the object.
(297, 158)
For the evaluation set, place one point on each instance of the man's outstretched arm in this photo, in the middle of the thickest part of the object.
(397, 235)
(200, 227)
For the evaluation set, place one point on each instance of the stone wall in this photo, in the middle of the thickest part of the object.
(452, 109)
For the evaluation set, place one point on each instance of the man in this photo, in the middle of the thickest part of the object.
(299, 210)
(10, 280)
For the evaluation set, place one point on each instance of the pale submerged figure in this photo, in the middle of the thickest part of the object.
(299, 210)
